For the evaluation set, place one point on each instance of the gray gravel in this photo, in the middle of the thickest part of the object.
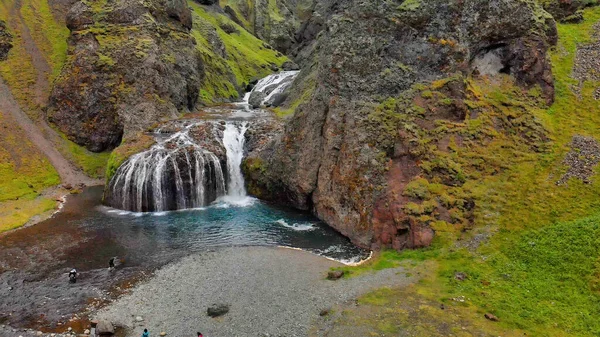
(270, 291)
(581, 160)
(587, 62)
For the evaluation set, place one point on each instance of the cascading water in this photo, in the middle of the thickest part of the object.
(174, 174)
(182, 172)
(233, 140)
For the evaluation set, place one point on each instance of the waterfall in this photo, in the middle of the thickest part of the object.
(174, 174)
(182, 171)
(233, 140)
(267, 90)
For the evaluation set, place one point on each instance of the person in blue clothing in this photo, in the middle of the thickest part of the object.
(145, 334)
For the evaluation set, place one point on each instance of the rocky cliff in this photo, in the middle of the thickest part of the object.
(365, 144)
(130, 64)
(275, 22)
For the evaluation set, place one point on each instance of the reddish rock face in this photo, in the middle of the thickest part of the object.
(343, 154)
(391, 226)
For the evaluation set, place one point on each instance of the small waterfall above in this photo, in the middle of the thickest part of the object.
(270, 91)
(233, 140)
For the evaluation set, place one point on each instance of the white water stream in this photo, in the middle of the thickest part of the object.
(177, 173)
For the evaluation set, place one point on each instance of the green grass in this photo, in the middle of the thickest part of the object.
(543, 280)
(93, 164)
(14, 214)
(246, 58)
(49, 36)
(24, 171)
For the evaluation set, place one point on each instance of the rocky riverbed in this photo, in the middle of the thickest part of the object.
(269, 292)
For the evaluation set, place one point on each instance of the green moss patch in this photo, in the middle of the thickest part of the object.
(529, 250)
(231, 59)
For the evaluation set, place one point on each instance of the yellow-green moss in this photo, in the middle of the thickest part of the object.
(246, 56)
(16, 213)
(539, 270)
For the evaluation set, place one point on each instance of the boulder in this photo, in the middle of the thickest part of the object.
(335, 274)
(5, 41)
(217, 310)
(105, 328)
(256, 99)
(289, 66)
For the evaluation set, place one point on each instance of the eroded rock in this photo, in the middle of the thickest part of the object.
(350, 168)
(138, 67)
(5, 41)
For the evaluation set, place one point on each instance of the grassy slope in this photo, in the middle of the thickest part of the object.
(50, 37)
(246, 57)
(24, 171)
(540, 271)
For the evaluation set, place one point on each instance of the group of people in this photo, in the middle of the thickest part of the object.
(73, 272)
(147, 334)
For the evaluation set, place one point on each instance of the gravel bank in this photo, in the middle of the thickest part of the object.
(270, 291)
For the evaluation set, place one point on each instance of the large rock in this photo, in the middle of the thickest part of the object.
(5, 41)
(350, 169)
(105, 328)
(137, 66)
(217, 310)
(566, 10)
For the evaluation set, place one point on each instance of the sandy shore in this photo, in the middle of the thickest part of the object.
(270, 291)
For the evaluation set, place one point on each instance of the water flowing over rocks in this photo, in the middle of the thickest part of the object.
(176, 173)
(196, 161)
(271, 91)
(334, 157)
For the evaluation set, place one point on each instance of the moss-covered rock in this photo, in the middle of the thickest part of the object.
(274, 21)
(567, 10)
(130, 64)
(365, 131)
(232, 56)
(5, 41)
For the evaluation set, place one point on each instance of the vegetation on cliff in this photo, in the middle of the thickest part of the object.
(232, 57)
(530, 255)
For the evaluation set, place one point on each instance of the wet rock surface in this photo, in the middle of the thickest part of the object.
(331, 158)
(130, 64)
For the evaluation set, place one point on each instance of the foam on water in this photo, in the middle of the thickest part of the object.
(296, 226)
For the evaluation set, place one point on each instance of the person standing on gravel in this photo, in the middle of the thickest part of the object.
(146, 334)
(200, 335)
